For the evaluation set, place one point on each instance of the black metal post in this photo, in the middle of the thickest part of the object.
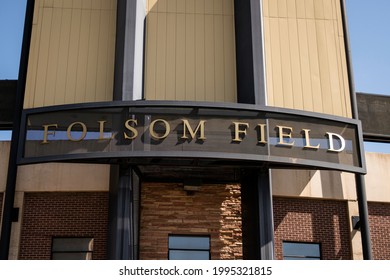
(359, 179)
(12, 163)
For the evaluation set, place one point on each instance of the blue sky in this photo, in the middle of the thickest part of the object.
(369, 27)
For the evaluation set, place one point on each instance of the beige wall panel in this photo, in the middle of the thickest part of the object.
(218, 58)
(63, 56)
(200, 54)
(312, 183)
(288, 99)
(67, 52)
(171, 57)
(71, 74)
(296, 73)
(4, 152)
(312, 35)
(277, 75)
(180, 58)
(190, 52)
(378, 177)
(203, 67)
(325, 71)
(63, 177)
(305, 65)
(151, 56)
(209, 54)
(161, 53)
(229, 58)
(268, 59)
(93, 50)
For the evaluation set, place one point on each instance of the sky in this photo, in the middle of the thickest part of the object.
(369, 31)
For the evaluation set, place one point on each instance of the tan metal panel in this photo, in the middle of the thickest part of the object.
(58, 4)
(103, 55)
(161, 55)
(190, 6)
(209, 7)
(265, 8)
(319, 9)
(199, 6)
(314, 66)
(180, 56)
(60, 87)
(301, 9)
(282, 8)
(229, 52)
(219, 59)
(277, 78)
(309, 7)
(288, 100)
(43, 55)
(228, 7)
(190, 55)
(171, 6)
(111, 53)
(273, 8)
(181, 6)
(200, 56)
(291, 9)
(162, 6)
(209, 53)
(296, 72)
(93, 50)
(82, 59)
(268, 61)
(171, 57)
(151, 55)
(218, 7)
(52, 64)
(305, 66)
(86, 4)
(324, 67)
(73, 56)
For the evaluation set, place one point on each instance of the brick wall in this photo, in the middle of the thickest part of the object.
(310, 220)
(379, 219)
(215, 210)
(63, 215)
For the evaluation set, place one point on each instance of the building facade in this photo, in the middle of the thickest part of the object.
(190, 129)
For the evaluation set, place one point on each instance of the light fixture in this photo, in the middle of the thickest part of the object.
(355, 222)
(192, 185)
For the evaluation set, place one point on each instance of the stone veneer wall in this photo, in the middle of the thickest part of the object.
(214, 210)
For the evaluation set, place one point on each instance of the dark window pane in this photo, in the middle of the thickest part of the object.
(188, 255)
(189, 242)
(72, 244)
(72, 256)
(293, 250)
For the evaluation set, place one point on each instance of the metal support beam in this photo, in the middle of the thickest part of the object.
(123, 214)
(12, 166)
(359, 179)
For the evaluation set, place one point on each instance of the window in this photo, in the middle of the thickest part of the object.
(185, 247)
(301, 251)
(72, 248)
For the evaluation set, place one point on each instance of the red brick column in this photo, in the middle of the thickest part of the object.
(379, 220)
(48, 215)
(214, 210)
(310, 220)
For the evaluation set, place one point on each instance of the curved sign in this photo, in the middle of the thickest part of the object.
(140, 130)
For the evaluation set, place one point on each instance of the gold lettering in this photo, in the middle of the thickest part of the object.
(262, 133)
(307, 140)
(331, 143)
(101, 131)
(283, 134)
(154, 134)
(46, 132)
(83, 133)
(132, 129)
(186, 125)
(238, 131)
